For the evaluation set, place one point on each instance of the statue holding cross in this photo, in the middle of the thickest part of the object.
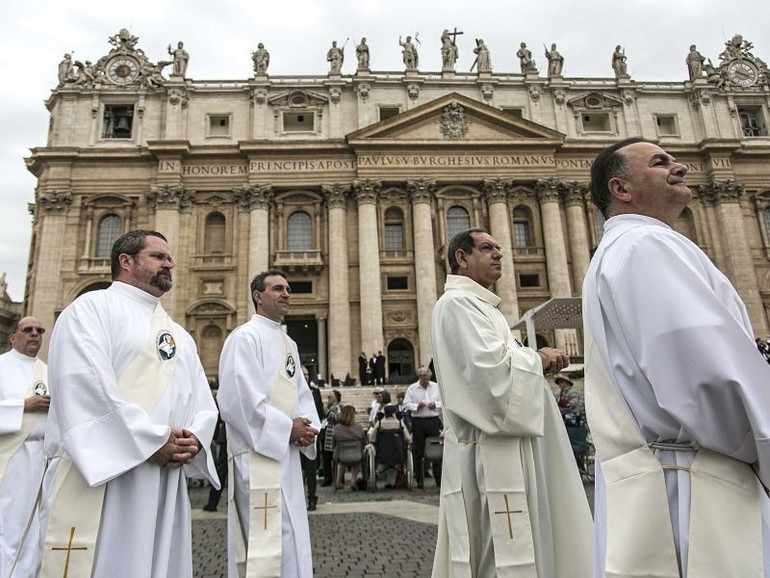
(449, 52)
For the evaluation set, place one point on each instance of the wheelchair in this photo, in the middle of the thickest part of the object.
(391, 453)
(582, 445)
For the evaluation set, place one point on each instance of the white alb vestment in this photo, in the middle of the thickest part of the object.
(512, 502)
(255, 358)
(671, 361)
(22, 461)
(145, 527)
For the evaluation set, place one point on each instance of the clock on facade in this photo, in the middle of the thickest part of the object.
(122, 70)
(742, 73)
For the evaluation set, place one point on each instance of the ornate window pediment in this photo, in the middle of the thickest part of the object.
(298, 99)
(594, 101)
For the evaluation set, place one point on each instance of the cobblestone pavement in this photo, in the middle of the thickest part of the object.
(388, 533)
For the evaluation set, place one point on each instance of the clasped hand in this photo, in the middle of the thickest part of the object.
(180, 449)
(553, 359)
(302, 434)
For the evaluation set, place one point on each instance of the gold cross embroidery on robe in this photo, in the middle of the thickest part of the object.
(69, 549)
(508, 513)
(265, 508)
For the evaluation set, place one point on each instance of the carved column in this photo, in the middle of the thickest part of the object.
(369, 265)
(496, 193)
(167, 201)
(52, 207)
(321, 322)
(255, 200)
(725, 195)
(340, 357)
(421, 192)
(555, 251)
(574, 198)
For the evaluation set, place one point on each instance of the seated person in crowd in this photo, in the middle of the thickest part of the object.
(347, 429)
(389, 463)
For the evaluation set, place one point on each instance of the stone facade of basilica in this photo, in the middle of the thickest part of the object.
(353, 184)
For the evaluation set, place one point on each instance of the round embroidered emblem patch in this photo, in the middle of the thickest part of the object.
(166, 345)
(291, 365)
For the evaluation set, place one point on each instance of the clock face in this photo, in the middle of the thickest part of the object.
(122, 70)
(742, 73)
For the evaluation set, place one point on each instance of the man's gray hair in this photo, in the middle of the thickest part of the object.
(424, 371)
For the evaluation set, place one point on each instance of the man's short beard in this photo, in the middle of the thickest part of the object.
(163, 283)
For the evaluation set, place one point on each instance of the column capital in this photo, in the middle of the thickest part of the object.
(548, 189)
(253, 197)
(718, 192)
(55, 202)
(170, 197)
(366, 191)
(496, 190)
(421, 190)
(574, 193)
(336, 195)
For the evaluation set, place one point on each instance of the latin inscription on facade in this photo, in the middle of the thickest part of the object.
(418, 161)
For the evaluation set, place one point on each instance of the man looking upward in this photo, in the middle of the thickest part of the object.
(271, 418)
(135, 418)
(677, 394)
(24, 404)
(512, 502)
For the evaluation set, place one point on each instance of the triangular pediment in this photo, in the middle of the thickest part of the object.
(454, 120)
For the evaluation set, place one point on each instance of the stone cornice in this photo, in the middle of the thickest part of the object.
(336, 195)
(365, 191)
(716, 192)
(548, 189)
(54, 202)
(170, 197)
(421, 190)
(496, 190)
(253, 197)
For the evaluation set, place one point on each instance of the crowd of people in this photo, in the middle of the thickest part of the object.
(96, 448)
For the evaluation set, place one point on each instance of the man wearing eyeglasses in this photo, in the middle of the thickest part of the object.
(24, 403)
(135, 417)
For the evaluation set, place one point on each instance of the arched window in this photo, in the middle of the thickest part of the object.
(457, 219)
(107, 232)
(394, 230)
(300, 232)
(598, 225)
(214, 240)
(522, 227)
(210, 347)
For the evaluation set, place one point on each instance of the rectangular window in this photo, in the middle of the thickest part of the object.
(596, 122)
(118, 121)
(219, 125)
(514, 111)
(752, 121)
(666, 125)
(529, 280)
(398, 284)
(298, 122)
(301, 287)
(394, 237)
(388, 111)
(521, 234)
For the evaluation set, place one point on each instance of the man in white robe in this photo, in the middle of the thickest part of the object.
(676, 392)
(134, 433)
(260, 364)
(512, 501)
(24, 402)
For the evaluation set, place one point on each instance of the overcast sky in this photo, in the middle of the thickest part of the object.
(220, 36)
